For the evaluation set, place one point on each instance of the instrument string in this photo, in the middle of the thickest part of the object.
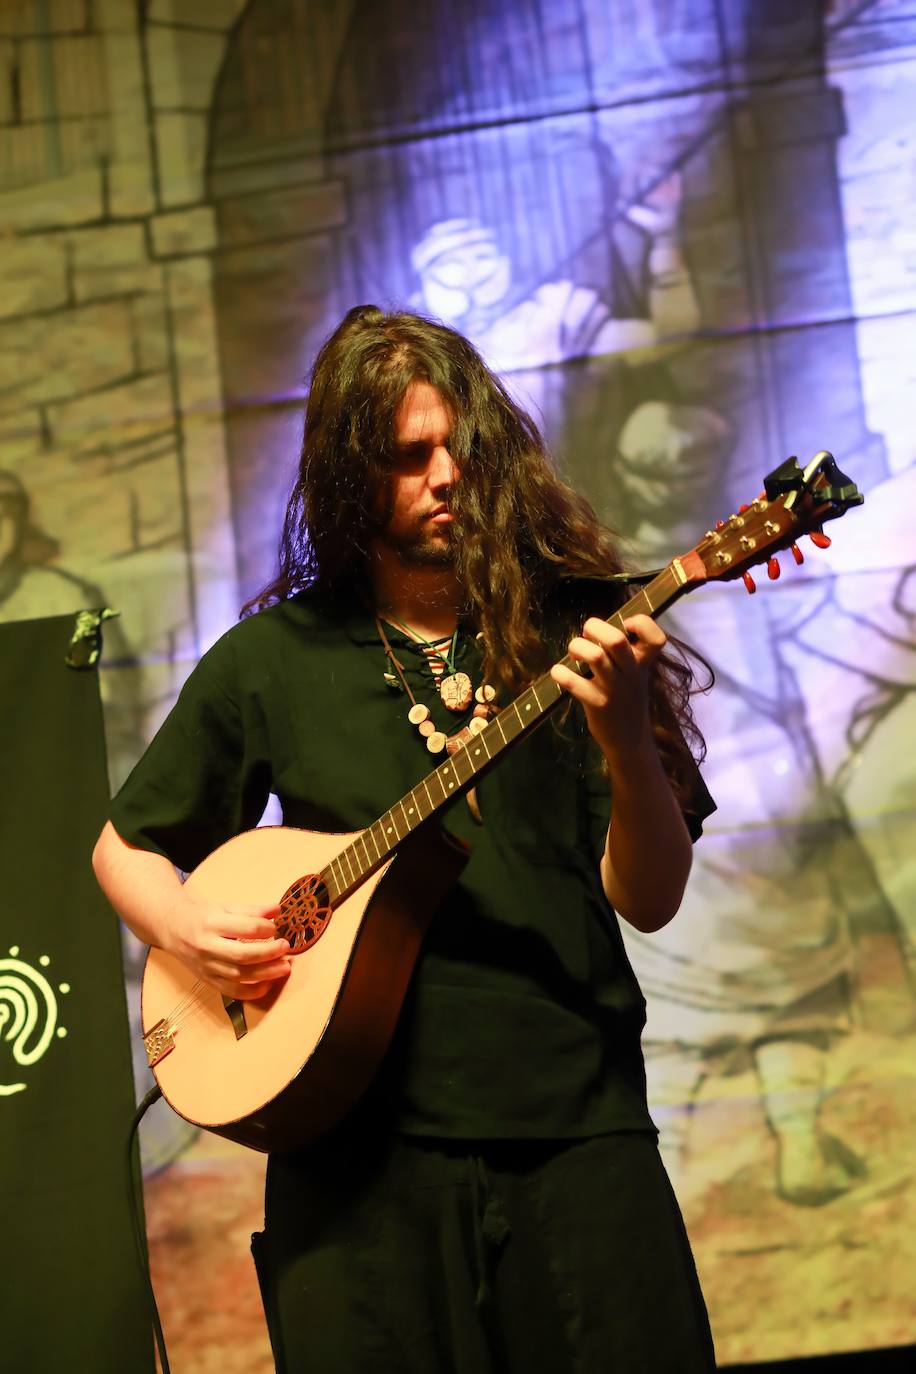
(190, 996)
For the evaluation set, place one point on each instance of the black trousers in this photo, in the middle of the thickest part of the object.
(392, 1255)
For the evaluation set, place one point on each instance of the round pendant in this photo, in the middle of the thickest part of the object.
(476, 725)
(426, 728)
(435, 742)
(456, 691)
(418, 713)
(485, 694)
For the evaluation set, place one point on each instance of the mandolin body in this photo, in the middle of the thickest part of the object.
(309, 1048)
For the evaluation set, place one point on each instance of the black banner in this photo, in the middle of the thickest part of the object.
(72, 1295)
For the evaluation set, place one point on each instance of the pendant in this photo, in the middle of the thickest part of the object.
(456, 692)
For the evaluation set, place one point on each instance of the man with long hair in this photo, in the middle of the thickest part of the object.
(496, 1201)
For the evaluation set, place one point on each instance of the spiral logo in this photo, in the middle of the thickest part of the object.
(28, 1012)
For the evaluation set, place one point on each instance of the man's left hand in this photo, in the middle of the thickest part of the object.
(616, 696)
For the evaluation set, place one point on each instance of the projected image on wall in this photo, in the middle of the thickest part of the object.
(682, 233)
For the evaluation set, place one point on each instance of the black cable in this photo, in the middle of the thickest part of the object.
(134, 1194)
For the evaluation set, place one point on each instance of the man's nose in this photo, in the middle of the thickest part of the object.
(443, 470)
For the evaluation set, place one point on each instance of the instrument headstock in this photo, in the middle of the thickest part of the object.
(794, 502)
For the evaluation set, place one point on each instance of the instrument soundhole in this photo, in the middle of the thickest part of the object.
(305, 909)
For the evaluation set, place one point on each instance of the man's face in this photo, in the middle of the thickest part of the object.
(423, 474)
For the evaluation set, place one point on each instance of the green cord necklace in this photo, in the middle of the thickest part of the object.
(419, 715)
(455, 688)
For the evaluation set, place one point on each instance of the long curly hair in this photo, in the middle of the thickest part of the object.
(519, 530)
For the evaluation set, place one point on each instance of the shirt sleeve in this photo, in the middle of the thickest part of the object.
(698, 806)
(206, 775)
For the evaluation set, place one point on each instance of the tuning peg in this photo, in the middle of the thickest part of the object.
(820, 540)
(773, 569)
(797, 554)
(720, 524)
(749, 583)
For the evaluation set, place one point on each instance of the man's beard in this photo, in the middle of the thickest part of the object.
(420, 551)
(426, 553)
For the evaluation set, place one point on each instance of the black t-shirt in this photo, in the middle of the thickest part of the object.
(524, 1016)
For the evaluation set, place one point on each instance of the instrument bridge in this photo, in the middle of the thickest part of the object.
(158, 1041)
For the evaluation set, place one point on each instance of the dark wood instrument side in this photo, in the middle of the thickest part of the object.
(424, 870)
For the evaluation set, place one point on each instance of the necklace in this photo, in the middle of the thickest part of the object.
(419, 714)
(455, 688)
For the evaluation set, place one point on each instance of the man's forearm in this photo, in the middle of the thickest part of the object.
(233, 947)
(648, 852)
(143, 888)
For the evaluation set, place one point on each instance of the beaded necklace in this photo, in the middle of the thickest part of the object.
(455, 690)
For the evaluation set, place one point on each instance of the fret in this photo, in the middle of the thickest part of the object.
(460, 760)
(346, 867)
(362, 840)
(522, 711)
(447, 778)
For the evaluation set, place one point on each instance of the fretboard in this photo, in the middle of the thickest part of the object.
(375, 845)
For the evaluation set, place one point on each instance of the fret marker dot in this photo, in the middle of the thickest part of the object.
(450, 786)
(388, 831)
(476, 751)
(410, 810)
(528, 707)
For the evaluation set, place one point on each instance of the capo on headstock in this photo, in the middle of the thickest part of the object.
(790, 480)
(794, 502)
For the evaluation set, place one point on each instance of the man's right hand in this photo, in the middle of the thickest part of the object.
(235, 949)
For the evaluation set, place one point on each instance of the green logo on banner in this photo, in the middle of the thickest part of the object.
(28, 1012)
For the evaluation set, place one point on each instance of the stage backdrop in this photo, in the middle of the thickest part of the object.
(685, 233)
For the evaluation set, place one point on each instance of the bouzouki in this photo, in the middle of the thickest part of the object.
(277, 1072)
